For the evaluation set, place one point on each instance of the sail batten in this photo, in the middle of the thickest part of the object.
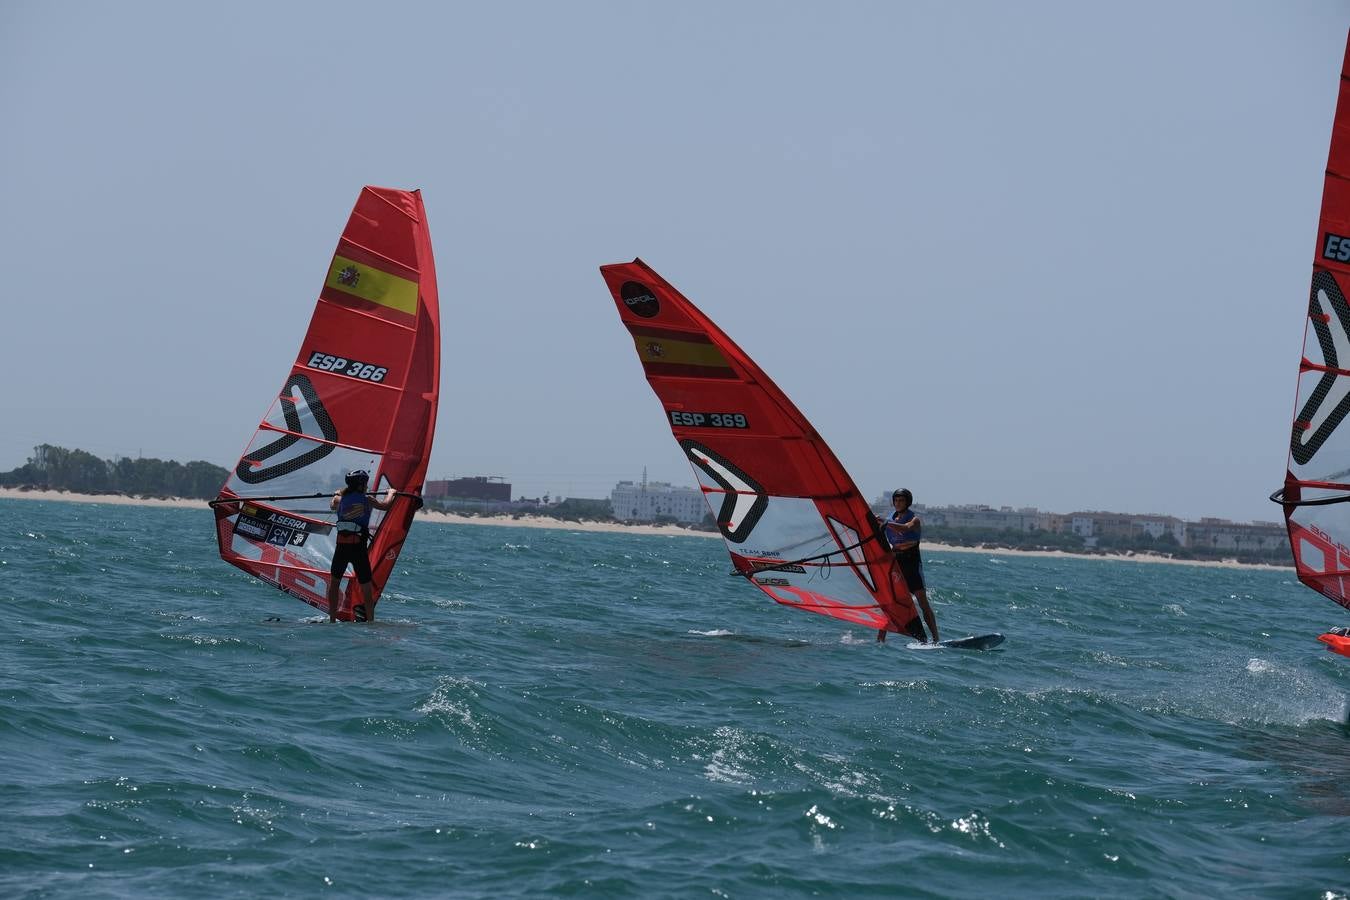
(794, 523)
(362, 394)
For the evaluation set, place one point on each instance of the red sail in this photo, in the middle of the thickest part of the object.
(1317, 483)
(361, 394)
(794, 523)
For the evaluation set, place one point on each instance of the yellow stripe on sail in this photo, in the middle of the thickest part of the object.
(371, 284)
(687, 353)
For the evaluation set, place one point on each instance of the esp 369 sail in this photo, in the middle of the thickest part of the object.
(361, 394)
(793, 521)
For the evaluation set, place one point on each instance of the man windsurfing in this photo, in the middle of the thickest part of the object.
(353, 505)
(904, 530)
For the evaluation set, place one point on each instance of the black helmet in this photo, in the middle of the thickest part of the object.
(357, 479)
(903, 492)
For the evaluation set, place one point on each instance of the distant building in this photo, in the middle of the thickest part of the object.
(1221, 534)
(1126, 525)
(477, 487)
(1208, 534)
(643, 502)
(1005, 518)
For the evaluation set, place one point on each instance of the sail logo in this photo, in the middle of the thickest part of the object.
(1335, 247)
(250, 528)
(1329, 403)
(281, 536)
(274, 527)
(640, 299)
(349, 276)
(743, 500)
(251, 470)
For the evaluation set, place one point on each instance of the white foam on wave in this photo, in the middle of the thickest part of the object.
(447, 700)
(815, 815)
(716, 632)
(1258, 690)
(202, 640)
(901, 685)
(975, 826)
(731, 755)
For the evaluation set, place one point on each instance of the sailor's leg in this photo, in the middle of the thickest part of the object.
(922, 596)
(363, 612)
(334, 582)
(366, 611)
(914, 628)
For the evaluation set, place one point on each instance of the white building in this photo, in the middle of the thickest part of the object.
(644, 501)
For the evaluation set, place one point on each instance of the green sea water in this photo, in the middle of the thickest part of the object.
(545, 712)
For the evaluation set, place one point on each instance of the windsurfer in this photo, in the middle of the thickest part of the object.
(904, 530)
(353, 506)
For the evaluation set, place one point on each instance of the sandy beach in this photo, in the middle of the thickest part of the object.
(431, 516)
(110, 499)
(564, 524)
(527, 521)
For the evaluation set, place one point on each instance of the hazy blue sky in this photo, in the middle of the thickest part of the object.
(1035, 253)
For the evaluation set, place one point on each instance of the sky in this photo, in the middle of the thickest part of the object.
(1049, 254)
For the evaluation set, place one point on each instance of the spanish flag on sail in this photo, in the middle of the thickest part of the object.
(362, 280)
(680, 353)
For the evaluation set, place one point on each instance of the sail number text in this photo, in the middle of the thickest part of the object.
(708, 420)
(327, 362)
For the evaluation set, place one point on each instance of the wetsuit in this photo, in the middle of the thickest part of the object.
(911, 565)
(353, 531)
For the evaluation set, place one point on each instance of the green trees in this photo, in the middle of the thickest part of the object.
(57, 468)
(581, 509)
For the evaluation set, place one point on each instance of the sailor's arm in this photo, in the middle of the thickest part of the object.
(387, 502)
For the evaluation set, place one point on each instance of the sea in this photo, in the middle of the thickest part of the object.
(556, 713)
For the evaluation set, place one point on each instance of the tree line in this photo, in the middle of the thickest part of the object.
(60, 469)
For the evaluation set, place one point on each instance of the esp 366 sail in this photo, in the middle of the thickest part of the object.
(361, 394)
(793, 521)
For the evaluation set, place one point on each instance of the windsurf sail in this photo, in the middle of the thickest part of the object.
(1316, 492)
(361, 394)
(793, 521)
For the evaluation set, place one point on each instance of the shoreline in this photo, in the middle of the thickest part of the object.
(535, 521)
